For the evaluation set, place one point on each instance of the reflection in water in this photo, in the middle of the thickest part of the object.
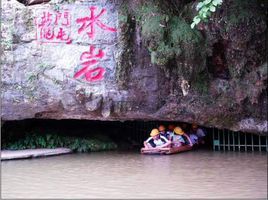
(197, 174)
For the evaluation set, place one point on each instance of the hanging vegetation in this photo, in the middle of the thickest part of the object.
(34, 140)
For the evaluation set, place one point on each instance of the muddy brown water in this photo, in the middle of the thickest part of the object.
(196, 174)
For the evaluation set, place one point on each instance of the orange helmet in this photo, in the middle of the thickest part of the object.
(161, 128)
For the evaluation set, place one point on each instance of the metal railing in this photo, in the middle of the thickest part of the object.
(238, 141)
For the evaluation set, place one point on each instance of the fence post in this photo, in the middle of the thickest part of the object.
(213, 138)
(246, 147)
(228, 132)
(266, 143)
(239, 141)
(223, 134)
(259, 143)
(219, 146)
(233, 141)
(252, 145)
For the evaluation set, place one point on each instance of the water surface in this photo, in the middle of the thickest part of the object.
(196, 174)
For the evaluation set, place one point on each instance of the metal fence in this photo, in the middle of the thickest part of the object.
(227, 140)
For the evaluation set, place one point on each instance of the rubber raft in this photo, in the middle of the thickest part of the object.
(166, 151)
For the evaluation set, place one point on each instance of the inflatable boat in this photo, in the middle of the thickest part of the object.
(166, 151)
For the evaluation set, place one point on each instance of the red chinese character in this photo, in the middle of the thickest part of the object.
(58, 16)
(54, 27)
(95, 74)
(91, 59)
(64, 18)
(46, 19)
(62, 35)
(47, 33)
(67, 18)
(89, 23)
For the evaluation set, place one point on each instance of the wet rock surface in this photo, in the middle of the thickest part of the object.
(139, 61)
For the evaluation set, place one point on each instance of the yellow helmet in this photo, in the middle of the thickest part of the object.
(154, 132)
(161, 128)
(178, 131)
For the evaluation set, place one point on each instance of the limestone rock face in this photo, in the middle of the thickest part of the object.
(135, 60)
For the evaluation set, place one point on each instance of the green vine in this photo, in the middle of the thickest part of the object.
(205, 8)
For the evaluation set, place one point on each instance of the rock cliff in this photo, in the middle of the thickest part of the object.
(135, 60)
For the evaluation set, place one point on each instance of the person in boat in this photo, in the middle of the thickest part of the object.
(170, 131)
(177, 139)
(185, 127)
(180, 138)
(162, 131)
(156, 140)
(199, 132)
(193, 137)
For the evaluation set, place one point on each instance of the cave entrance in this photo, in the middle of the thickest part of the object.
(127, 134)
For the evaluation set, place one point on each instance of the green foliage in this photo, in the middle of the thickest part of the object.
(152, 27)
(33, 140)
(180, 32)
(166, 36)
(201, 83)
(152, 21)
(123, 18)
(124, 55)
(241, 11)
(205, 8)
(147, 9)
(162, 54)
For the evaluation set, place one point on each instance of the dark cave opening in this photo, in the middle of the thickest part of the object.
(129, 134)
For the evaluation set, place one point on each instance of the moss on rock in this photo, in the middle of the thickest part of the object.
(163, 54)
(125, 54)
(168, 37)
(241, 11)
(201, 83)
(181, 32)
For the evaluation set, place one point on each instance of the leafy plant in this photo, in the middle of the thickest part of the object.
(36, 140)
(205, 8)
